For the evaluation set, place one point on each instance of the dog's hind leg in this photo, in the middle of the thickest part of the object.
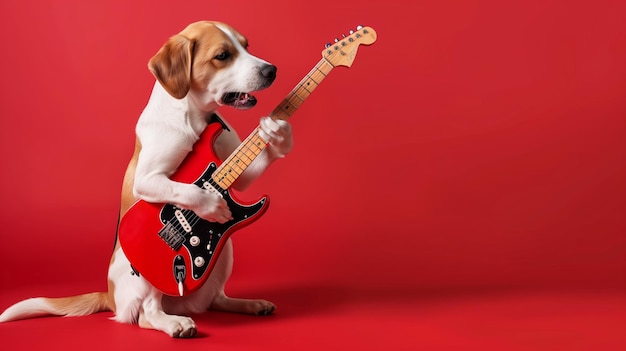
(138, 302)
(221, 302)
(250, 306)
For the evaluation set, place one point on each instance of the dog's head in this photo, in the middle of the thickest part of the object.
(210, 63)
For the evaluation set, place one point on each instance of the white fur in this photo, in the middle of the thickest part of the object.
(37, 307)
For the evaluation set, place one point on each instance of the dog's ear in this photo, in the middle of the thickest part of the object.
(172, 66)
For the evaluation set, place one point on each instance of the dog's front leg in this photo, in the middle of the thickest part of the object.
(152, 316)
(157, 160)
(208, 204)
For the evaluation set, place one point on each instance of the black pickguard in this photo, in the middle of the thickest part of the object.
(201, 238)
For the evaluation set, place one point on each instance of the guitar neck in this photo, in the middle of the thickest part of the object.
(228, 172)
(302, 91)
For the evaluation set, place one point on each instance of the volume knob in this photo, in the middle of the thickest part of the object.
(194, 240)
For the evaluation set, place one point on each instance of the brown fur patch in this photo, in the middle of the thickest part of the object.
(187, 60)
(128, 199)
(80, 305)
(172, 66)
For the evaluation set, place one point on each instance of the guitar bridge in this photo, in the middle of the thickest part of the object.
(172, 237)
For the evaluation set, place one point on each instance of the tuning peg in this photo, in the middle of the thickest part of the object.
(343, 36)
(328, 45)
(351, 32)
(336, 40)
(359, 27)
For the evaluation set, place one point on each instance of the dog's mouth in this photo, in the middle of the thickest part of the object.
(239, 100)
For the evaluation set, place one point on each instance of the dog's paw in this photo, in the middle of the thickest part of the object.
(181, 327)
(278, 135)
(248, 306)
(208, 204)
(263, 307)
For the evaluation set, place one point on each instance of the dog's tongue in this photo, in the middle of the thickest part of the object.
(243, 99)
(239, 100)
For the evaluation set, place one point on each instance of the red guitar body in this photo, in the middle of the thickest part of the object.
(173, 248)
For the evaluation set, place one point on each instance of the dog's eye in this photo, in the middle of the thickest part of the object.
(223, 56)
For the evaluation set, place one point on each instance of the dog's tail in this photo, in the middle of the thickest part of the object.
(79, 305)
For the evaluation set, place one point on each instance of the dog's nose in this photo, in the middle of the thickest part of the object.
(269, 72)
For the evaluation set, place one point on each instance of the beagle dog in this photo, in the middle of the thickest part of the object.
(205, 66)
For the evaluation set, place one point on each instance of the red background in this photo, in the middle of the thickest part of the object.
(463, 184)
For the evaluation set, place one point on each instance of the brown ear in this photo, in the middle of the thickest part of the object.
(172, 66)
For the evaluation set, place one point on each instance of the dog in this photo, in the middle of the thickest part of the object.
(204, 67)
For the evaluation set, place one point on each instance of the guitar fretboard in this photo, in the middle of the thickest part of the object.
(227, 173)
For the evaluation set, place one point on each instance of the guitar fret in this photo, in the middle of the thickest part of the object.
(308, 87)
(280, 114)
(294, 101)
(315, 81)
(247, 160)
(237, 164)
(298, 96)
(327, 66)
(318, 68)
(228, 177)
(287, 108)
(236, 170)
(301, 93)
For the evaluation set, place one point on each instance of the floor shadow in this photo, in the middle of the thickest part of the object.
(292, 301)
(305, 300)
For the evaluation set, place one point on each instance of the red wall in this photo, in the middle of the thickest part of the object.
(475, 144)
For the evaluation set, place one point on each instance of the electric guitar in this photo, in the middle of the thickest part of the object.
(173, 248)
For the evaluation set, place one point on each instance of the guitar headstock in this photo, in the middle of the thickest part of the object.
(343, 51)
